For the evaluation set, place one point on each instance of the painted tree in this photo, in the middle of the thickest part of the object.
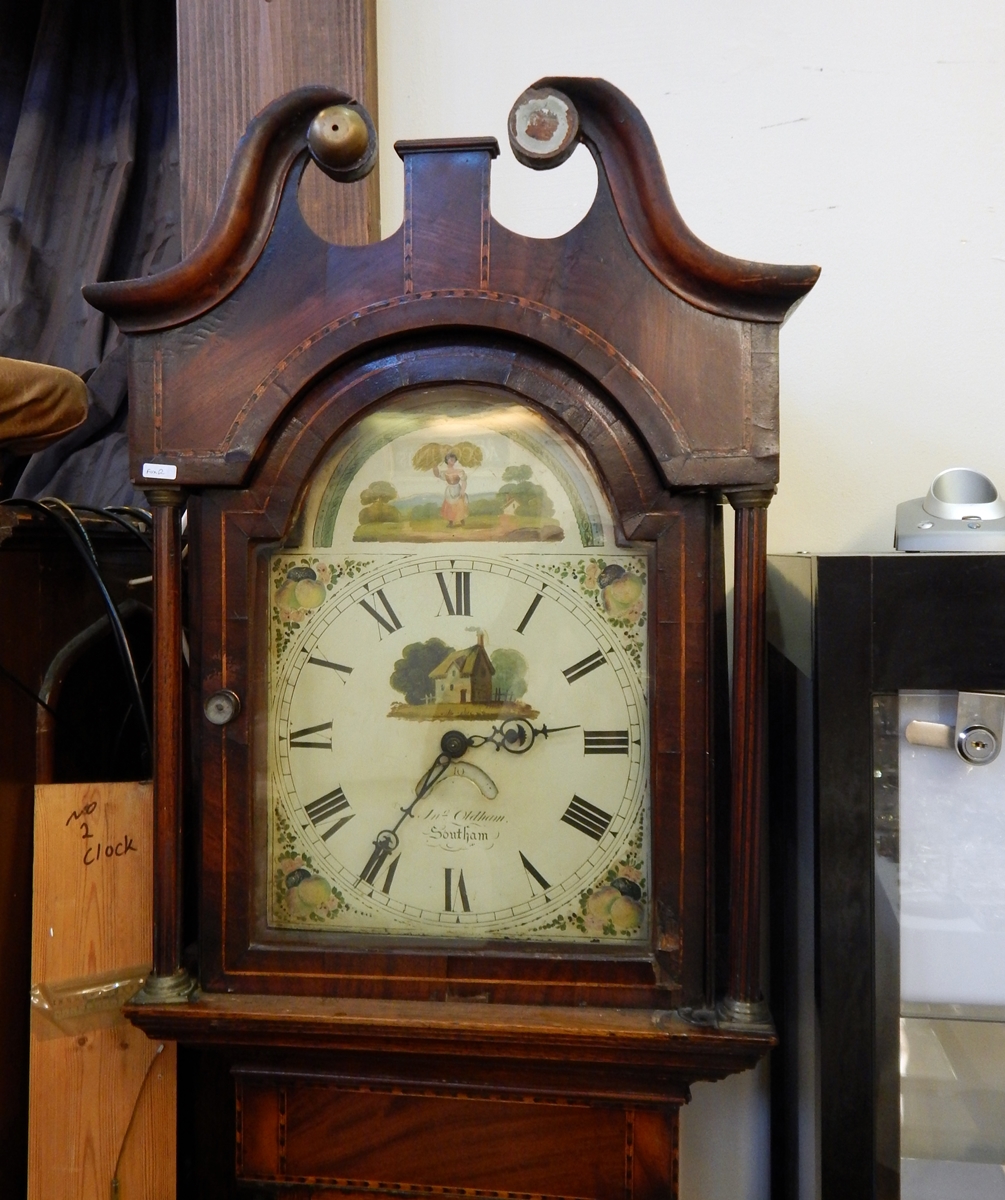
(411, 672)
(376, 500)
(510, 679)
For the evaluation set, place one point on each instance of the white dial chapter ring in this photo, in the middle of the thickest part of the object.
(538, 751)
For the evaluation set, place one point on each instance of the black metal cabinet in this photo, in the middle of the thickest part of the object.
(845, 632)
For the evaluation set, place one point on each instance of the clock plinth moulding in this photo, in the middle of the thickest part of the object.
(650, 360)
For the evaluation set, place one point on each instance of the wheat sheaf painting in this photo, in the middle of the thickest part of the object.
(453, 466)
(461, 509)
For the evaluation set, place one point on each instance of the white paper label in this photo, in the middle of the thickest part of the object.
(160, 471)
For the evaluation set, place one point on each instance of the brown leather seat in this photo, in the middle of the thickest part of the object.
(38, 404)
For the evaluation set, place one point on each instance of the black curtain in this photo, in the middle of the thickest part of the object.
(89, 190)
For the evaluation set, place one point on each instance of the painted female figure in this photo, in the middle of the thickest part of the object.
(454, 509)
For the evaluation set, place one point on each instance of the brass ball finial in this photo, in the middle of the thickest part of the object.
(342, 142)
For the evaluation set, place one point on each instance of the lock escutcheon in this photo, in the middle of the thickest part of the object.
(977, 744)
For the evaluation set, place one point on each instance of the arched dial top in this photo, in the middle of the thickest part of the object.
(458, 712)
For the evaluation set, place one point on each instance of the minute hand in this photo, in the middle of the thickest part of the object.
(515, 735)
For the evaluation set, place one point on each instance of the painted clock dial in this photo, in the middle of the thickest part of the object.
(458, 718)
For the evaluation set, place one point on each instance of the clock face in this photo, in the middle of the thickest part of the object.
(458, 724)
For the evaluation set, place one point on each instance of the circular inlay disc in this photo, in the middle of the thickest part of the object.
(543, 127)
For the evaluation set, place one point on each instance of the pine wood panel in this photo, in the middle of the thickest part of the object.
(234, 57)
(101, 1098)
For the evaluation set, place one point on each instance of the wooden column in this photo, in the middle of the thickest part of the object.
(169, 980)
(743, 1001)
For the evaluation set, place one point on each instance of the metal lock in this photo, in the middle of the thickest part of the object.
(222, 707)
(977, 736)
(977, 744)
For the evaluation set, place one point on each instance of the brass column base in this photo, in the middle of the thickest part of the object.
(166, 989)
(744, 1012)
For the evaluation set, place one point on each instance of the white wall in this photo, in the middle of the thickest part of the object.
(866, 137)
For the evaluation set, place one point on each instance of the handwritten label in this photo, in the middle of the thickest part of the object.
(160, 471)
(84, 812)
(99, 851)
(122, 847)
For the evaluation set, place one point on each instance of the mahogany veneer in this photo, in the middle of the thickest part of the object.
(341, 1063)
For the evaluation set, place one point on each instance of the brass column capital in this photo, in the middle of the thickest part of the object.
(165, 497)
(749, 497)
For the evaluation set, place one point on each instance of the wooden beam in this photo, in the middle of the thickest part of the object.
(234, 57)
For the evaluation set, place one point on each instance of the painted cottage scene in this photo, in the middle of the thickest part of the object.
(441, 683)
(464, 677)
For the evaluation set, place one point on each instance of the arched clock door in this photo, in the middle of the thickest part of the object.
(477, 885)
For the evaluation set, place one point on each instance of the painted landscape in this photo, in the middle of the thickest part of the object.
(520, 510)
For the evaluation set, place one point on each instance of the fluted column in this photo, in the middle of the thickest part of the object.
(744, 1001)
(169, 981)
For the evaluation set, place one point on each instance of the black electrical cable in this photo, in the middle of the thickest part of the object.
(75, 530)
(82, 545)
(130, 510)
(9, 675)
(110, 515)
(74, 521)
(128, 714)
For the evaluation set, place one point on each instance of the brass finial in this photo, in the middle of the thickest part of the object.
(343, 142)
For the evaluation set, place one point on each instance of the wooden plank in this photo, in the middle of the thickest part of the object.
(234, 57)
(102, 1098)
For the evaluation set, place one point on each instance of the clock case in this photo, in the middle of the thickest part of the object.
(656, 353)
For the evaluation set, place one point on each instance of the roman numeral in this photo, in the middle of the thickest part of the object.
(584, 666)
(297, 738)
(382, 849)
(460, 605)
(387, 620)
(605, 741)
(452, 894)
(337, 667)
(587, 818)
(327, 806)
(533, 872)
(530, 612)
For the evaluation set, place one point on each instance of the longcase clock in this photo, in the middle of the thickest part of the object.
(477, 863)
